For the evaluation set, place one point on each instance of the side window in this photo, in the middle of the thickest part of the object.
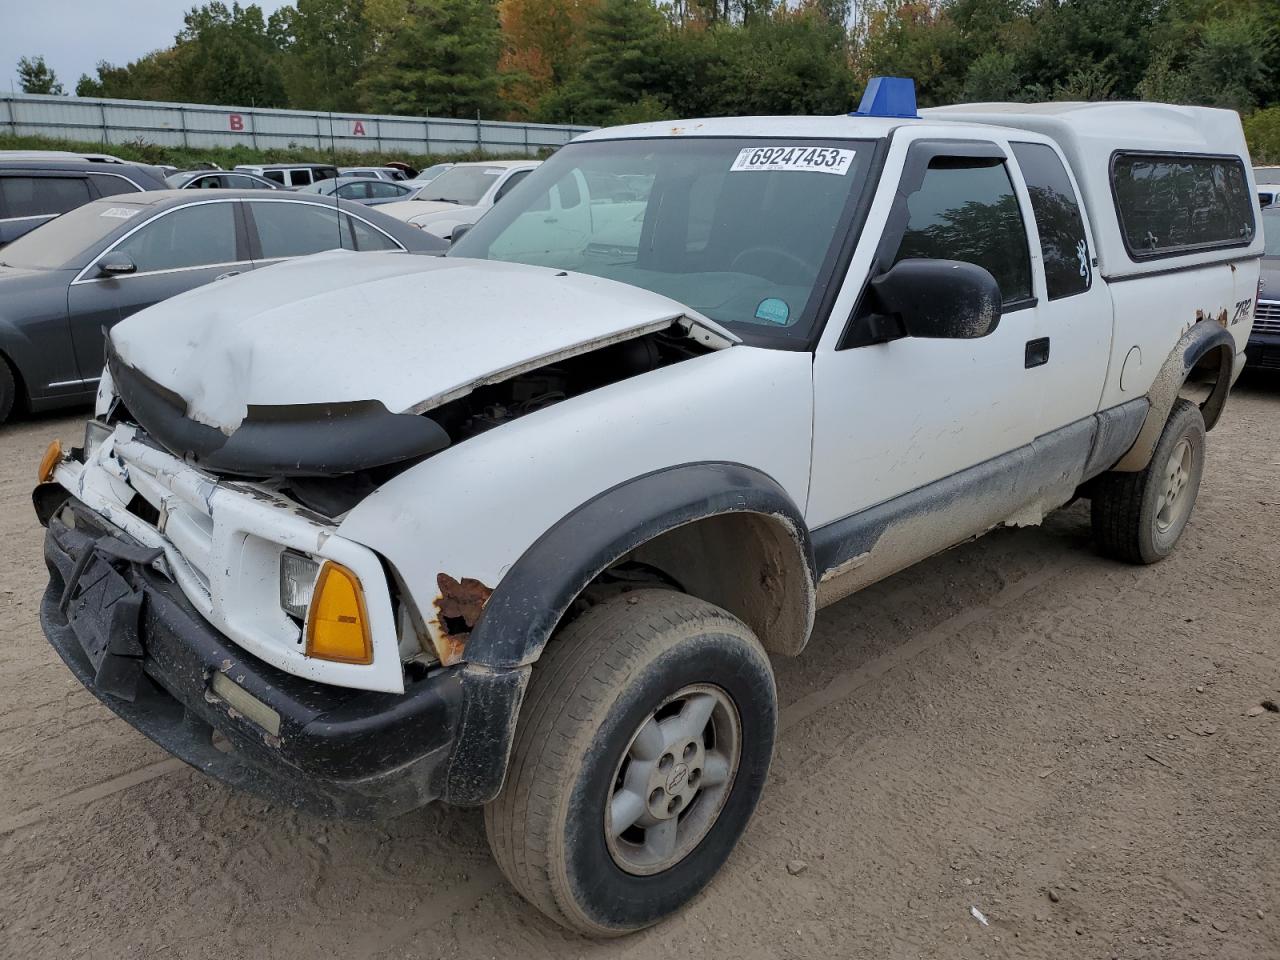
(295, 229)
(365, 238)
(1063, 243)
(300, 178)
(1170, 204)
(195, 236)
(276, 176)
(237, 182)
(383, 189)
(510, 184)
(968, 211)
(353, 191)
(109, 186)
(41, 196)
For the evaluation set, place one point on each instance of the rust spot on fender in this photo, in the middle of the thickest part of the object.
(458, 609)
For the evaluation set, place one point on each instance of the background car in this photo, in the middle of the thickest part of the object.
(1263, 349)
(461, 195)
(362, 190)
(219, 180)
(292, 174)
(36, 189)
(374, 173)
(62, 285)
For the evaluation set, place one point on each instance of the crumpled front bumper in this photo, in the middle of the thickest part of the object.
(135, 641)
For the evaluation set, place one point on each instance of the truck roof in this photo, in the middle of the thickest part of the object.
(1089, 134)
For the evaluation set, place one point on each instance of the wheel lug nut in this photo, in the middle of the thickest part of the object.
(666, 762)
(689, 750)
(655, 797)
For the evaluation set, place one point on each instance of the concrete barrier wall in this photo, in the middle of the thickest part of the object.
(195, 125)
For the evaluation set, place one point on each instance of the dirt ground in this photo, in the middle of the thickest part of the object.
(1062, 742)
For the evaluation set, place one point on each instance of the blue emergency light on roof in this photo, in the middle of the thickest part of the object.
(888, 97)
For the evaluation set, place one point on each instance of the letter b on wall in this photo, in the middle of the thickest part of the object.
(236, 121)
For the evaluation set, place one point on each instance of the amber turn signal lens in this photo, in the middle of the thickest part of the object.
(49, 462)
(337, 622)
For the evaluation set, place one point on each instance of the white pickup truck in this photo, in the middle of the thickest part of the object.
(522, 526)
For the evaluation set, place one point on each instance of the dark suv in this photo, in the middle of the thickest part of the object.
(35, 191)
(1264, 341)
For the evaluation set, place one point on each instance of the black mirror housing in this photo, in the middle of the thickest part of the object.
(947, 299)
(458, 232)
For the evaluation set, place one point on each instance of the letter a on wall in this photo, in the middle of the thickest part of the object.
(357, 129)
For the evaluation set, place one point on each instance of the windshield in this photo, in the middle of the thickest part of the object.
(1270, 233)
(743, 231)
(433, 171)
(464, 185)
(66, 240)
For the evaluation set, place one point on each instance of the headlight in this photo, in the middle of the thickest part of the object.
(297, 583)
(95, 432)
(329, 600)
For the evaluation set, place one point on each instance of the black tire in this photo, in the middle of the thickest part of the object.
(8, 390)
(598, 684)
(1128, 523)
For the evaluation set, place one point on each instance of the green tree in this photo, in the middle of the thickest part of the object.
(626, 68)
(325, 48)
(226, 55)
(148, 78)
(35, 76)
(437, 57)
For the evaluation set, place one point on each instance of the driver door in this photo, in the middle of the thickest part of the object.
(912, 414)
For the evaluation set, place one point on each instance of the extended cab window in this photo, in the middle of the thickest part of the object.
(1063, 244)
(1169, 203)
(967, 210)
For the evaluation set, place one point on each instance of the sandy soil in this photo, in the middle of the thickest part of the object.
(1017, 725)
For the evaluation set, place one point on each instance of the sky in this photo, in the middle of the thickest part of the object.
(73, 35)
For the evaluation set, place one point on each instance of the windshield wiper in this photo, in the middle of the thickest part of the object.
(439, 200)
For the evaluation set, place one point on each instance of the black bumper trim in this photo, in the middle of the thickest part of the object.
(340, 752)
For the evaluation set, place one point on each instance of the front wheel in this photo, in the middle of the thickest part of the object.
(1139, 517)
(643, 747)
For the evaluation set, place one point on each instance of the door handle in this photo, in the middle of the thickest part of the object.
(223, 276)
(1037, 354)
(551, 220)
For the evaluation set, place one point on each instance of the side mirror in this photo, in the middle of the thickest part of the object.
(938, 299)
(116, 265)
(459, 231)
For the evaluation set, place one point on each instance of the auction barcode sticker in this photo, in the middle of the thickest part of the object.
(119, 213)
(802, 159)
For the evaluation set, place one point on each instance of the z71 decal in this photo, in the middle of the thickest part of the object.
(1243, 309)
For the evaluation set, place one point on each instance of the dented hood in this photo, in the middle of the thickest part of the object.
(405, 331)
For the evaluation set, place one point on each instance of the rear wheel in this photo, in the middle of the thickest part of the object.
(643, 747)
(1139, 517)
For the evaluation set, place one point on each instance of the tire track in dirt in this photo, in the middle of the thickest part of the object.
(87, 795)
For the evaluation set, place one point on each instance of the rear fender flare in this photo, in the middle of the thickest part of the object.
(1201, 340)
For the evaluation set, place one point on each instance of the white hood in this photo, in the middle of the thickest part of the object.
(410, 331)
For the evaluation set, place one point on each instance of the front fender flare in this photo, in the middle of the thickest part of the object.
(1194, 346)
(533, 596)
